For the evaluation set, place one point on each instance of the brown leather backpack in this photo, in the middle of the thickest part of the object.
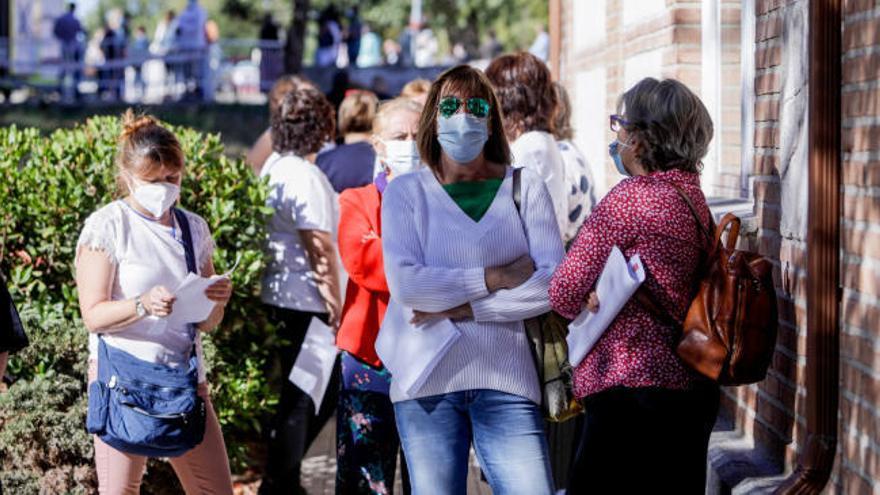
(729, 333)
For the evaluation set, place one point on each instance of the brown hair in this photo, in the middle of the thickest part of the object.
(144, 147)
(470, 82)
(668, 122)
(416, 87)
(562, 121)
(284, 85)
(523, 84)
(356, 112)
(399, 104)
(303, 123)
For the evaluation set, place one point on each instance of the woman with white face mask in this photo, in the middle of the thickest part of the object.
(131, 255)
(367, 441)
(459, 252)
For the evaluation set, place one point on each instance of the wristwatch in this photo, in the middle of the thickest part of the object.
(139, 307)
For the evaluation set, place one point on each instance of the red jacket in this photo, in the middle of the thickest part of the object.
(366, 296)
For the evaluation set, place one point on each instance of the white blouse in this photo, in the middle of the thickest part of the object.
(145, 254)
(537, 151)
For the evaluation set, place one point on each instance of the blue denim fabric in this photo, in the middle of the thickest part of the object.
(507, 432)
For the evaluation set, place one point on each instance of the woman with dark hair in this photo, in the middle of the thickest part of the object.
(301, 281)
(648, 416)
(351, 163)
(528, 103)
(457, 247)
(258, 154)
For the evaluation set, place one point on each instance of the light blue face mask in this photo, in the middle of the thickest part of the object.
(462, 136)
(614, 151)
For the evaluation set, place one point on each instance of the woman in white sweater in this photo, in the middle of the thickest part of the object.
(455, 247)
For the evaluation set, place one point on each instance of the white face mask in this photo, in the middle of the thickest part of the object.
(157, 197)
(401, 156)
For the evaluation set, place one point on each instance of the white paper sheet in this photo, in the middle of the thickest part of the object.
(617, 283)
(192, 305)
(314, 365)
(412, 352)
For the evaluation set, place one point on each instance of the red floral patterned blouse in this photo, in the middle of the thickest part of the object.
(641, 215)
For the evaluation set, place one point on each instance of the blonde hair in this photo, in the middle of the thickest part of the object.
(415, 88)
(357, 111)
(399, 104)
(144, 147)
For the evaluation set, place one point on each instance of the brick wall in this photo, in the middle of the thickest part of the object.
(858, 468)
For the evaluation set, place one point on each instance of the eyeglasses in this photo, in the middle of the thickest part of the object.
(478, 107)
(616, 122)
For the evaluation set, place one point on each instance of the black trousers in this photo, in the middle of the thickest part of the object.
(295, 425)
(645, 440)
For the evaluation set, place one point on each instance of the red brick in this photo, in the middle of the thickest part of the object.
(852, 414)
(867, 459)
(865, 32)
(862, 277)
(861, 315)
(858, 173)
(768, 83)
(861, 103)
(768, 28)
(854, 6)
(765, 6)
(862, 138)
(860, 350)
(766, 137)
(861, 208)
(766, 165)
(685, 15)
(860, 69)
(687, 34)
(767, 109)
(853, 482)
(770, 56)
(861, 242)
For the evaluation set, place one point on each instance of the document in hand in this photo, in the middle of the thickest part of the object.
(617, 283)
(314, 365)
(412, 352)
(192, 305)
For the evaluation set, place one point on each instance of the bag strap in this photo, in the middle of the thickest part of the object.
(186, 233)
(517, 190)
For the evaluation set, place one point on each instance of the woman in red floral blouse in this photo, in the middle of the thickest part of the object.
(648, 416)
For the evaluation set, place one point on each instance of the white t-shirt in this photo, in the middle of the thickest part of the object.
(537, 151)
(303, 199)
(580, 187)
(145, 254)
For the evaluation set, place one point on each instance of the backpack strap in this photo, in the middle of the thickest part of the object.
(517, 190)
(186, 233)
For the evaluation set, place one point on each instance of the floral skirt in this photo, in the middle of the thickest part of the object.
(366, 435)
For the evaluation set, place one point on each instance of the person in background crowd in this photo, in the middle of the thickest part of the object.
(392, 51)
(541, 46)
(455, 246)
(350, 164)
(417, 90)
(211, 61)
(301, 281)
(111, 79)
(579, 184)
(190, 42)
(425, 47)
(491, 48)
(371, 48)
(353, 36)
(528, 103)
(262, 148)
(271, 53)
(636, 390)
(163, 36)
(70, 34)
(366, 435)
(139, 52)
(329, 38)
(406, 42)
(129, 256)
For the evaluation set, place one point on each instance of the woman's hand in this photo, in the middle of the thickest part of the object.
(593, 302)
(511, 275)
(220, 291)
(457, 313)
(158, 301)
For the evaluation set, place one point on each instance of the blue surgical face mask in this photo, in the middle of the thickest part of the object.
(614, 151)
(462, 136)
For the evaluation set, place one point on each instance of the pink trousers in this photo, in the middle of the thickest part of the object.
(202, 470)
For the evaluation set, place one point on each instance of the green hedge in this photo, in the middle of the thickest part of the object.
(51, 184)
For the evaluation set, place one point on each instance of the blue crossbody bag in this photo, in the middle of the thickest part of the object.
(145, 408)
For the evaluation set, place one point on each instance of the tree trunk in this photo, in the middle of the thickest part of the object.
(296, 33)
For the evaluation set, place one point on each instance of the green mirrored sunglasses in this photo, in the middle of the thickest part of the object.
(478, 107)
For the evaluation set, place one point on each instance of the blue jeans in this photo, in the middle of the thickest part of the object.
(507, 432)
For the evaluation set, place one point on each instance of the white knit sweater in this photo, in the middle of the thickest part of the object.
(435, 256)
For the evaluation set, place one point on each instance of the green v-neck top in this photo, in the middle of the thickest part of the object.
(474, 198)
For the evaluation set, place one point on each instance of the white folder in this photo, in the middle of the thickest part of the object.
(412, 352)
(314, 365)
(617, 283)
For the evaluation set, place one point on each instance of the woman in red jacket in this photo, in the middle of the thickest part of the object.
(367, 441)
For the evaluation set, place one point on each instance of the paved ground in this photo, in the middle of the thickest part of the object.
(319, 469)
